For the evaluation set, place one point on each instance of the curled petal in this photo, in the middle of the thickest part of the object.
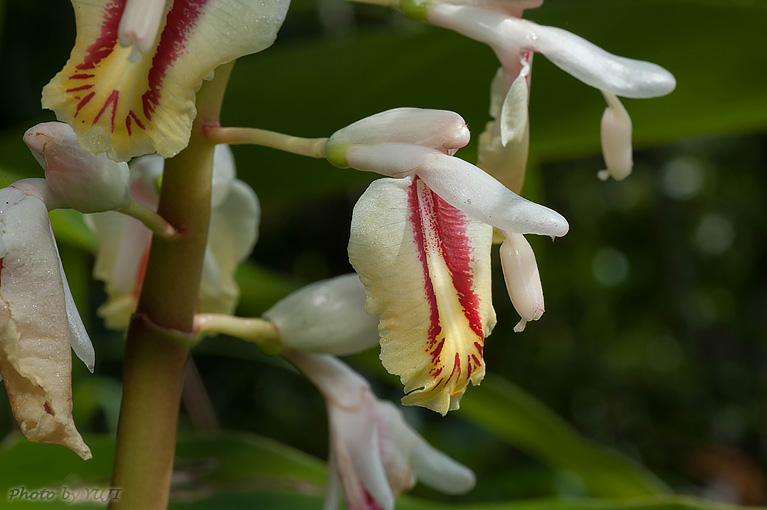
(128, 108)
(523, 281)
(616, 139)
(35, 360)
(442, 130)
(327, 316)
(232, 234)
(426, 270)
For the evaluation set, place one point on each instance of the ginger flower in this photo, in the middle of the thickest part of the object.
(124, 241)
(129, 86)
(38, 319)
(374, 454)
(420, 242)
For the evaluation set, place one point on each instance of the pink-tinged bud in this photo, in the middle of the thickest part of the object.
(84, 181)
(522, 279)
(616, 140)
(327, 317)
(442, 130)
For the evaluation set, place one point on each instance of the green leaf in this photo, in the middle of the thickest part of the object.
(525, 423)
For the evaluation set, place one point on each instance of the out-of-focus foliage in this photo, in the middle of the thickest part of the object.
(653, 342)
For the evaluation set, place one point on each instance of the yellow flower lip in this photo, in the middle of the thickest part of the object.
(135, 100)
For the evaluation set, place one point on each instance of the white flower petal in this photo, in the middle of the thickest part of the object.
(327, 316)
(523, 282)
(616, 138)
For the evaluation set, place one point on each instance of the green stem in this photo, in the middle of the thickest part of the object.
(312, 147)
(150, 219)
(160, 334)
(259, 331)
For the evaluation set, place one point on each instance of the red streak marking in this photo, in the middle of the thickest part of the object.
(455, 246)
(475, 360)
(82, 87)
(456, 365)
(370, 503)
(1, 270)
(468, 372)
(181, 21)
(83, 102)
(106, 41)
(81, 76)
(140, 275)
(479, 347)
(128, 118)
(420, 242)
(48, 409)
(112, 99)
(436, 371)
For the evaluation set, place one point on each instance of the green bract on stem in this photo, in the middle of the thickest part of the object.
(153, 221)
(312, 147)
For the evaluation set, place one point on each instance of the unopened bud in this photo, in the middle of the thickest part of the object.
(522, 279)
(616, 140)
(327, 316)
(442, 130)
(84, 181)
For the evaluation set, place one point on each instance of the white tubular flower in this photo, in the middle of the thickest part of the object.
(616, 140)
(327, 317)
(38, 321)
(421, 245)
(522, 279)
(140, 25)
(439, 129)
(509, 35)
(124, 241)
(374, 454)
(84, 181)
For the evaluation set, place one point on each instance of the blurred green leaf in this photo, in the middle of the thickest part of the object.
(525, 423)
(70, 228)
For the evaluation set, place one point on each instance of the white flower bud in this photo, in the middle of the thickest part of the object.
(86, 182)
(442, 130)
(616, 140)
(522, 279)
(327, 316)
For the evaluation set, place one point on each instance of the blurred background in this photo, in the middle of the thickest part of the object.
(654, 342)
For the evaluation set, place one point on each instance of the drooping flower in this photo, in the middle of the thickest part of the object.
(421, 245)
(38, 319)
(85, 182)
(514, 40)
(128, 87)
(374, 454)
(124, 242)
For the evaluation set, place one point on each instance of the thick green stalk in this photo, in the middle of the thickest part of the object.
(160, 333)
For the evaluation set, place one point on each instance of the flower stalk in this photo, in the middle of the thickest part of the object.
(153, 221)
(160, 335)
(311, 147)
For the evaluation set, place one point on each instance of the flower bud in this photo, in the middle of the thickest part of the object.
(522, 279)
(616, 140)
(327, 316)
(442, 130)
(84, 181)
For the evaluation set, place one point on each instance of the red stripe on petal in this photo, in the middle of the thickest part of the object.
(455, 248)
(112, 99)
(107, 39)
(83, 87)
(83, 102)
(182, 19)
(418, 232)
